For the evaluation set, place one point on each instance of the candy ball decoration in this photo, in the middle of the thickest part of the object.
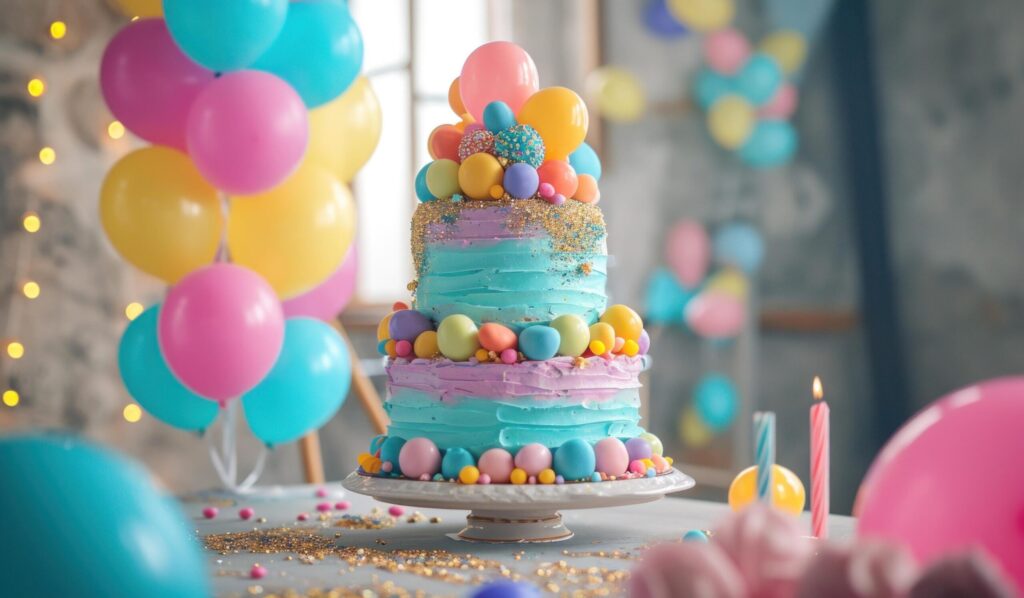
(443, 178)
(787, 490)
(478, 173)
(443, 142)
(715, 399)
(773, 143)
(521, 180)
(611, 456)
(408, 324)
(602, 338)
(418, 457)
(390, 451)
(574, 334)
(638, 449)
(787, 47)
(453, 462)
(425, 346)
(422, 191)
(709, 86)
(726, 50)
(457, 337)
(731, 120)
(695, 535)
(199, 28)
(469, 475)
(383, 328)
(507, 589)
(560, 117)
(703, 15)
(560, 175)
(574, 460)
(906, 496)
(475, 142)
(497, 463)
(625, 321)
(498, 117)
(759, 78)
(521, 143)
(539, 342)
(497, 71)
(644, 344)
(657, 448)
(587, 190)
(585, 161)
(496, 337)
(739, 244)
(533, 458)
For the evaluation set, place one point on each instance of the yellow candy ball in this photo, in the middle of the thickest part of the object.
(425, 346)
(497, 192)
(731, 120)
(458, 337)
(518, 476)
(443, 178)
(482, 355)
(469, 474)
(478, 173)
(631, 348)
(647, 463)
(625, 322)
(389, 347)
(787, 490)
(597, 348)
(603, 332)
(546, 477)
(382, 328)
(574, 334)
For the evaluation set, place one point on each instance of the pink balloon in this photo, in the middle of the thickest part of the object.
(951, 478)
(726, 51)
(247, 131)
(220, 330)
(782, 105)
(149, 84)
(497, 71)
(688, 252)
(714, 314)
(330, 297)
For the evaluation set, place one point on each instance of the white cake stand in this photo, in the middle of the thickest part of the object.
(517, 513)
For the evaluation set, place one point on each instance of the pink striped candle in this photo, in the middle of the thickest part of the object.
(819, 462)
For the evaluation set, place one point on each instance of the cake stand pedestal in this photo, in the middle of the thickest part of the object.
(516, 513)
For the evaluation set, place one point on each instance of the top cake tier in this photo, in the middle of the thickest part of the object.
(515, 262)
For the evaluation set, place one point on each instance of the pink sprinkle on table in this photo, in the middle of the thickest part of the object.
(258, 572)
(342, 505)
(210, 512)
(321, 492)
(395, 511)
(246, 512)
(323, 507)
(302, 517)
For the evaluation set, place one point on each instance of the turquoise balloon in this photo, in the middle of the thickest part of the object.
(773, 143)
(453, 462)
(319, 51)
(150, 382)
(716, 401)
(666, 298)
(585, 161)
(225, 35)
(709, 86)
(574, 460)
(422, 192)
(498, 117)
(81, 520)
(739, 244)
(759, 78)
(539, 342)
(306, 386)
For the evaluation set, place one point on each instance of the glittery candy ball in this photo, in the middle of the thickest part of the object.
(520, 143)
(475, 142)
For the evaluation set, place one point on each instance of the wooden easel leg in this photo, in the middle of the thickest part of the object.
(312, 458)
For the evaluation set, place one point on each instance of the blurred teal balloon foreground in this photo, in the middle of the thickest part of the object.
(80, 520)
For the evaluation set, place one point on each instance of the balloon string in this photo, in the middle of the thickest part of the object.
(256, 472)
(218, 466)
(231, 442)
(222, 247)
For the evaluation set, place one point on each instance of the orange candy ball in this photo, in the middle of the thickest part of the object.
(587, 190)
(560, 175)
(444, 142)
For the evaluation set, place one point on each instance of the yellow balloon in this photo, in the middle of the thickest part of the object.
(344, 132)
(478, 173)
(160, 214)
(560, 117)
(692, 431)
(787, 490)
(731, 281)
(703, 15)
(788, 48)
(617, 94)
(731, 120)
(296, 234)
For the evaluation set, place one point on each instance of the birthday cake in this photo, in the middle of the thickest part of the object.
(510, 366)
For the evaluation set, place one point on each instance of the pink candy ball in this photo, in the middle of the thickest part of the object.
(726, 51)
(210, 512)
(395, 511)
(497, 463)
(637, 467)
(509, 356)
(419, 456)
(660, 464)
(403, 348)
(484, 479)
(387, 466)
(246, 512)
(557, 199)
(611, 457)
(257, 572)
(342, 505)
(546, 190)
(533, 458)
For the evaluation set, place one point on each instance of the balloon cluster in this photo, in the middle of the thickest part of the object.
(714, 306)
(514, 140)
(258, 118)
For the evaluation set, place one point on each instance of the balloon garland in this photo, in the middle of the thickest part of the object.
(241, 205)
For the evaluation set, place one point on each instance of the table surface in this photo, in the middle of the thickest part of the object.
(414, 553)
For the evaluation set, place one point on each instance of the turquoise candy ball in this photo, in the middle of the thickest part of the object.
(575, 460)
(376, 443)
(389, 451)
(453, 462)
(520, 143)
(695, 535)
(539, 342)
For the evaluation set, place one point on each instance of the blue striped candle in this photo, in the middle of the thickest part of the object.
(764, 453)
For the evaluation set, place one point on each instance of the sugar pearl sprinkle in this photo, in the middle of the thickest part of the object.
(246, 513)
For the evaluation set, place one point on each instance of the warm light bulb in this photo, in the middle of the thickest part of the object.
(133, 309)
(36, 87)
(58, 29)
(132, 413)
(15, 350)
(31, 222)
(11, 398)
(47, 155)
(115, 129)
(816, 389)
(30, 289)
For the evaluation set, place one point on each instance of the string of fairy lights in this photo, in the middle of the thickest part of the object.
(29, 289)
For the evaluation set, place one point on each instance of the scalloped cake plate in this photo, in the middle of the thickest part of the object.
(517, 513)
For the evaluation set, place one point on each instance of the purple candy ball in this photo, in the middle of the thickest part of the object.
(645, 342)
(638, 449)
(521, 180)
(407, 324)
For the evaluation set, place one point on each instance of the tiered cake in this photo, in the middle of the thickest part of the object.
(510, 367)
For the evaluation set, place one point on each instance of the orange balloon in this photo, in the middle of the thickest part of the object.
(560, 175)
(444, 143)
(455, 98)
(587, 191)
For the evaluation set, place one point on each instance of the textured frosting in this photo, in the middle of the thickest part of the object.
(498, 264)
(482, 406)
